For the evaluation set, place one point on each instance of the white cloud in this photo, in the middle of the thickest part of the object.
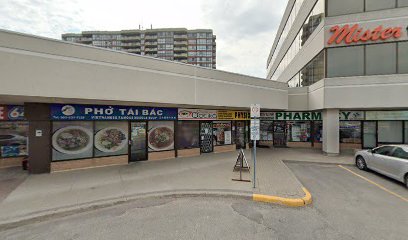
(245, 29)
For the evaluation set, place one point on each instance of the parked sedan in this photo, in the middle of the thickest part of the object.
(390, 160)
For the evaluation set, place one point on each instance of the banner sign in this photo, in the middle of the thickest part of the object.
(98, 112)
(387, 115)
(197, 114)
(292, 116)
(11, 112)
(233, 115)
(351, 115)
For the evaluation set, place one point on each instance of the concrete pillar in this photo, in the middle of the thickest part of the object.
(39, 137)
(331, 135)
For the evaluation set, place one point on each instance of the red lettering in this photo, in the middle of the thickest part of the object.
(397, 32)
(376, 33)
(388, 32)
(356, 34)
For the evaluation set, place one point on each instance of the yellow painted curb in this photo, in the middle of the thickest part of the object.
(291, 202)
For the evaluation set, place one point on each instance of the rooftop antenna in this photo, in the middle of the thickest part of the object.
(151, 26)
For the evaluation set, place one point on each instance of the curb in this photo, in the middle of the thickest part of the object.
(290, 202)
(33, 217)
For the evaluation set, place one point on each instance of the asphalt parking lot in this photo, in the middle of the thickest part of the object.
(364, 204)
(345, 207)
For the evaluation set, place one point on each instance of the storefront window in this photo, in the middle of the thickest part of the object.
(298, 131)
(390, 132)
(317, 131)
(111, 138)
(222, 132)
(72, 140)
(160, 136)
(13, 139)
(188, 134)
(406, 131)
(369, 135)
(266, 131)
(350, 132)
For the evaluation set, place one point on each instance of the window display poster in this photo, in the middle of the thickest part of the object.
(13, 139)
(72, 140)
(11, 112)
(110, 138)
(160, 136)
(188, 134)
(266, 131)
(222, 133)
(298, 131)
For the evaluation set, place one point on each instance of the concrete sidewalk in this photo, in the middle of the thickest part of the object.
(49, 193)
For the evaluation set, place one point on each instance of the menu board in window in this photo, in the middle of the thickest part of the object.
(111, 138)
(222, 133)
(13, 139)
(72, 140)
(160, 136)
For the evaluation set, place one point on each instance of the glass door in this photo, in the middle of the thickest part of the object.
(369, 134)
(206, 137)
(279, 134)
(240, 134)
(138, 137)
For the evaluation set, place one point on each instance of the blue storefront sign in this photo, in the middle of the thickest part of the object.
(99, 112)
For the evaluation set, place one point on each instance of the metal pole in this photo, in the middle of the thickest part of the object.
(254, 163)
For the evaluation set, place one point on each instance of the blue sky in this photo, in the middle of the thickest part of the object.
(245, 29)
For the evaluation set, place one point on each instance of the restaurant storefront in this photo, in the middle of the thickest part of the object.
(13, 135)
(88, 135)
(195, 131)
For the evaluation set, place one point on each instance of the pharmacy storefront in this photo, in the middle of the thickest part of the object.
(291, 129)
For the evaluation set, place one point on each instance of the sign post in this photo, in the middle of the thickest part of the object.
(255, 125)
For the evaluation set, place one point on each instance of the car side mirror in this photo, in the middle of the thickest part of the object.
(370, 151)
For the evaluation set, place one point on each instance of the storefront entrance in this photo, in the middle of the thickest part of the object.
(206, 137)
(138, 139)
(240, 135)
(279, 134)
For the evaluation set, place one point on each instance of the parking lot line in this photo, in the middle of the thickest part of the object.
(374, 183)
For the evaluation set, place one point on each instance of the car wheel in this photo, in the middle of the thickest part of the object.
(361, 163)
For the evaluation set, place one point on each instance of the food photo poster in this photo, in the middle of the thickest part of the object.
(111, 138)
(160, 136)
(72, 140)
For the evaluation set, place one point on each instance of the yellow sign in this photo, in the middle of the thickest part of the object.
(233, 115)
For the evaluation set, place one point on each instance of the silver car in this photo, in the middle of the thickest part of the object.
(390, 160)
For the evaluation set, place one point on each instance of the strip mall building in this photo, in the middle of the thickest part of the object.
(337, 79)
